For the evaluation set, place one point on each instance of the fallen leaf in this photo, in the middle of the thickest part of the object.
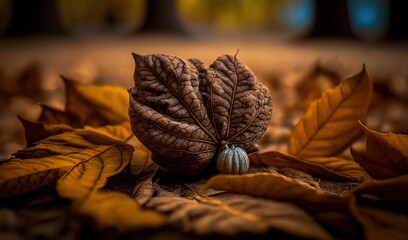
(392, 187)
(109, 134)
(388, 193)
(329, 168)
(50, 116)
(142, 159)
(19, 176)
(91, 174)
(330, 123)
(235, 215)
(50, 158)
(380, 223)
(91, 105)
(278, 187)
(115, 209)
(184, 112)
(35, 131)
(386, 155)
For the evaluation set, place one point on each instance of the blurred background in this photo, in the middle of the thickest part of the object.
(298, 48)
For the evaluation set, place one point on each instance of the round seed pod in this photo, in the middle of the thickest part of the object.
(232, 160)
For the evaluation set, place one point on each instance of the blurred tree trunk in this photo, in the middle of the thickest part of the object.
(398, 16)
(331, 19)
(162, 16)
(34, 17)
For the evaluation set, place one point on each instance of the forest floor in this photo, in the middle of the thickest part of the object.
(296, 72)
(108, 59)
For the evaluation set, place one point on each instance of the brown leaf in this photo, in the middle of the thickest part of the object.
(35, 131)
(114, 209)
(329, 168)
(389, 193)
(330, 123)
(386, 155)
(380, 223)
(183, 112)
(91, 105)
(278, 187)
(232, 214)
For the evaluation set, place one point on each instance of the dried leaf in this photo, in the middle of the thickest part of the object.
(142, 159)
(330, 123)
(183, 112)
(329, 168)
(389, 193)
(91, 174)
(386, 155)
(393, 187)
(278, 187)
(115, 209)
(232, 214)
(109, 134)
(50, 158)
(19, 176)
(379, 223)
(144, 191)
(35, 131)
(91, 105)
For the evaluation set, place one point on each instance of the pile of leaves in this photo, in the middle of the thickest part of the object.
(88, 155)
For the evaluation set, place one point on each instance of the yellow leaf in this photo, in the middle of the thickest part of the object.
(109, 134)
(379, 223)
(19, 176)
(97, 105)
(386, 155)
(142, 159)
(118, 210)
(91, 174)
(52, 157)
(278, 187)
(330, 123)
(329, 168)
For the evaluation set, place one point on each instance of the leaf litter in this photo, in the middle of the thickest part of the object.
(310, 192)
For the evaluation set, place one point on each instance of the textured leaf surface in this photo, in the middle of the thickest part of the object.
(330, 123)
(183, 112)
(91, 174)
(386, 154)
(232, 214)
(329, 168)
(19, 176)
(115, 209)
(278, 187)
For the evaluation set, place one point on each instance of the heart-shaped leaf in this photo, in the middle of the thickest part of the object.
(184, 112)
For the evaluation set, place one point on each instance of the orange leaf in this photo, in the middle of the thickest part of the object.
(330, 123)
(386, 155)
(278, 187)
(329, 168)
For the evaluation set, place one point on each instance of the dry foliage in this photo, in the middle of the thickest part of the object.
(89, 154)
